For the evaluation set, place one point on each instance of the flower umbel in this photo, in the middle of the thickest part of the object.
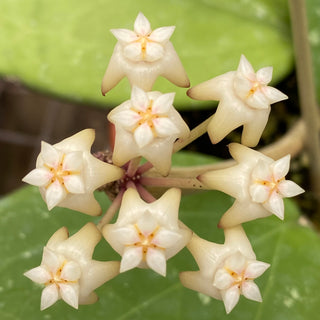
(67, 270)
(67, 174)
(257, 182)
(245, 99)
(147, 125)
(146, 235)
(142, 55)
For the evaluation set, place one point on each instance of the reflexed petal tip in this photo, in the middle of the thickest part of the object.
(38, 275)
(49, 296)
(230, 298)
(142, 25)
(245, 67)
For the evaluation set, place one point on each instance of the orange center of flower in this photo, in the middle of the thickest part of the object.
(255, 86)
(238, 278)
(57, 279)
(58, 174)
(271, 184)
(145, 241)
(147, 117)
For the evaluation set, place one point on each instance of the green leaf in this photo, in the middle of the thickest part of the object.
(289, 288)
(313, 12)
(63, 47)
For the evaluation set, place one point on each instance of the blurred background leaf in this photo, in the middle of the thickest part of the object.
(63, 47)
(289, 288)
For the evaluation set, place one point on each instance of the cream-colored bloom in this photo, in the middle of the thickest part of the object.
(67, 173)
(226, 271)
(147, 125)
(142, 55)
(147, 234)
(257, 182)
(68, 271)
(245, 99)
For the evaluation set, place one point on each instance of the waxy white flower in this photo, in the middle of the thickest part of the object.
(257, 182)
(147, 234)
(68, 271)
(226, 271)
(67, 173)
(245, 99)
(142, 55)
(147, 125)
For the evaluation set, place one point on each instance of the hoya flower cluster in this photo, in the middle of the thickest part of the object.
(148, 230)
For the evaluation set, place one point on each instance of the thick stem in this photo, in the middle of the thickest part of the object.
(183, 183)
(194, 134)
(133, 166)
(291, 143)
(145, 194)
(115, 205)
(144, 168)
(306, 88)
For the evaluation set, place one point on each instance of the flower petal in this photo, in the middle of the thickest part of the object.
(142, 25)
(280, 168)
(163, 103)
(262, 171)
(131, 258)
(264, 75)
(70, 294)
(38, 177)
(74, 183)
(49, 296)
(255, 269)
(143, 135)
(154, 52)
(128, 119)
(246, 69)
(55, 194)
(51, 260)
(275, 205)
(71, 271)
(124, 35)
(251, 291)
(38, 275)
(274, 95)
(230, 298)
(236, 262)
(258, 100)
(139, 99)
(166, 238)
(259, 193)
(133, 51)
(126, 235)
(242, 86)
(164, 127)
(156, 260)
(162, 34)
(73, 161)
(289, 188)
(49, 154)
(147, 223)
(223, 279)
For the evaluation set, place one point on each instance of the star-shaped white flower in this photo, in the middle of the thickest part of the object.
(67, 173)
(226, 271)
(142, 55)
(68, 271)
(147, 234)
(147, 125)
(245, 99)
(257, 182)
